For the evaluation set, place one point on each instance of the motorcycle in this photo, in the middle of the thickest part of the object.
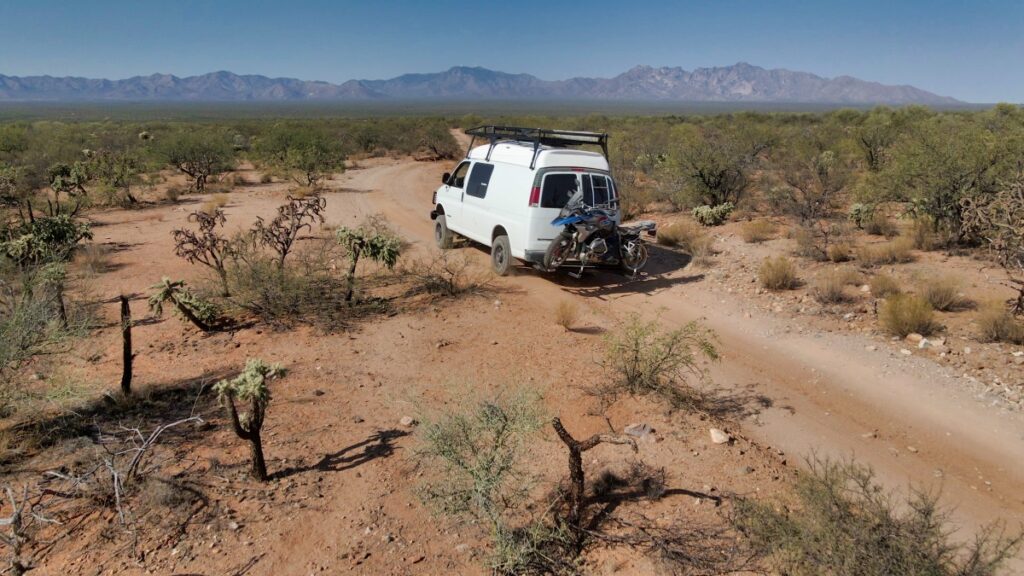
(591, 236)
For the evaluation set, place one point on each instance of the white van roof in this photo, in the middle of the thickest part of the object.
(521, 154)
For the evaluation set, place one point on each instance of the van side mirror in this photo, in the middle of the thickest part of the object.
(445, 177)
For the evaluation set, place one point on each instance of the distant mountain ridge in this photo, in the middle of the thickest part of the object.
(740, 82)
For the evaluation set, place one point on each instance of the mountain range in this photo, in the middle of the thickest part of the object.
(740, 82)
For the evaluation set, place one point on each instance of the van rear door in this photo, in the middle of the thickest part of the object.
(556, 187)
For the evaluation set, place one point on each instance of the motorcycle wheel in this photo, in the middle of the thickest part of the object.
(634, 263)
(557, 252)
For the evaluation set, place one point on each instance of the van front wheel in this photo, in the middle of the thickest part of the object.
(442, 235)
(501, 256)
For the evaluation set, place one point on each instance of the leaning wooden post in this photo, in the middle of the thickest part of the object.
(126, 346)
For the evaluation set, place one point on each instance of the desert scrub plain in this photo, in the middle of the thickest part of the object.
(230, 347)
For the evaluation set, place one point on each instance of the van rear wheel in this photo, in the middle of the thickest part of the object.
(501, 255)
(442, 235)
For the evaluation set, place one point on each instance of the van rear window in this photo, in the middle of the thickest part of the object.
(597, 190)
(557, 190)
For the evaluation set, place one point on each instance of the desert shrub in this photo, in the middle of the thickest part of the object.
(474, 457)
(845, 523)
(778, 273)
(883, 286)
(310, 290)
(943, 293)
(757, 231)
(878, 224)
(172, 193)
(903, 314)
(839, 251)
(266, 179)
(93, 258)
(645, 359)
(305, 153)
(830, 286)
(566, 313)
(997, 222)
(893, 252)
(445, 274)
(713, 215)
(681, 233)
(216, 203)
(923, 235)
(198, 154)
(997, 324)
(860, 214)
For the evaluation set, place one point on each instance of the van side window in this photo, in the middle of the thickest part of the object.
(478, 179)
(458, 179)
(557, 190)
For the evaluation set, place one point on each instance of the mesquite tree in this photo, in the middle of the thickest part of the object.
(197, 155)
(998, 221)
(372, 240)
(250, 387)
(298, 214)
(197, 311)
(205, 245)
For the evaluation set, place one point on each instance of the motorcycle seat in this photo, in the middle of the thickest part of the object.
(638, 226)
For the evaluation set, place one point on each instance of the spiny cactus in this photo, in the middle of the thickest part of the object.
(373, 240)
(250, 387)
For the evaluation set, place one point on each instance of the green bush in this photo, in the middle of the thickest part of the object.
(45, 240)
(844, 523)
(713, 215)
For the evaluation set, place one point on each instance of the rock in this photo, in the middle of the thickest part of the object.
(719, 436)
(358, 419)
(912, 449)
(914, 338)
(924, 344)
(408, 421)
(318, 392)
(233, 525)
(871, 348)
(905, 352)
(865, 288)
(462, 548)
(869, 435)
(849, 316)
(1017, 354)
(746, 470)
(967, 350)
(638, 430)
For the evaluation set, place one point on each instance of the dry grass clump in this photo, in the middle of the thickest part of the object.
(996, 324)
(904, 314)
(216, 201)
(172, 193)
(922, 235)
(943, 293)
(883, 286)
(93, 258)
(566, 313)
(778, 273)
(880, 225)
(830, 287)
(757, 231)
(266, 178)
(839, 252)
(682, 234)
(892, 252)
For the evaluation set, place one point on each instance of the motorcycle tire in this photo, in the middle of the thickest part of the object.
(557, 252)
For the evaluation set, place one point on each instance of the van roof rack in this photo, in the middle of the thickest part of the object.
(538, 137)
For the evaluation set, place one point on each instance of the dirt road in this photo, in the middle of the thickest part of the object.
(835, 394)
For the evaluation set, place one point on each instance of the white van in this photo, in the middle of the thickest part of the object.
(505, 193)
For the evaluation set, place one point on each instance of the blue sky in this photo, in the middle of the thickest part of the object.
(970, 50)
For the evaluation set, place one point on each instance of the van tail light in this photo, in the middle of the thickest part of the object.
(433, 198)
(535, 196)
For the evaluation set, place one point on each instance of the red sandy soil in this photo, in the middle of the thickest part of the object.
(344, 500)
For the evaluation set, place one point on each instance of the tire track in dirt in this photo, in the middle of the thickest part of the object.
(910, 422)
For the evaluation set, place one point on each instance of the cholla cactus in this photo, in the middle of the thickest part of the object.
(373, 240)
(194, 309)
(250, 387)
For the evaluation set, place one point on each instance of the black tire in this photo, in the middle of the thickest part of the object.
(633, 266)
(501, 255)
(557, 252)
(444, 237)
